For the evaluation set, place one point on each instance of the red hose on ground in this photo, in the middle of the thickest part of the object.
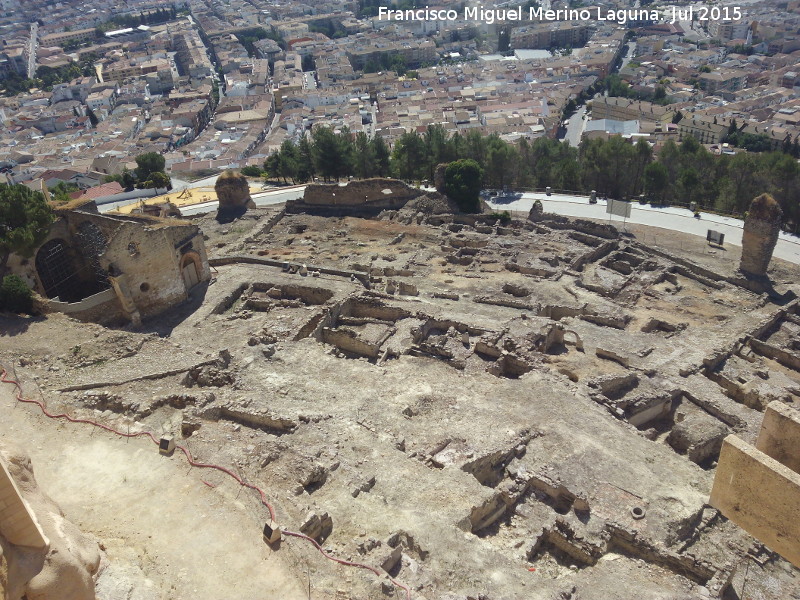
(263, 497)
(347, 563)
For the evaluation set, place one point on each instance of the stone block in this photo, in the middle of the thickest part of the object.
(779, 437)
(17, 522)
(760, 495)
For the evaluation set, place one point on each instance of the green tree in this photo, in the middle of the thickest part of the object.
(524, 171)
(501, 162)
(25, 219)
(149, 163)
(126, 179)
(462, 183)
(504, 39)
(475, 147)
(643, 154)
(656, 179)
(251, 171)
(62, 190)
(382, 155)
(437, 147)
(567, 175)
(365, 161)
(569, 109)
(283, 163)
(326, 151)
(305, 160)
(409, 158)
(346, 151)
(160, 180)
(15, 295)
(689, 182)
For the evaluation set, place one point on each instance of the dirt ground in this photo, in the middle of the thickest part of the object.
(166, 534)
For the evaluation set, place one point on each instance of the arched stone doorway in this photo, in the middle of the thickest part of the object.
(578, 342)
(56, 269)
(191, 267)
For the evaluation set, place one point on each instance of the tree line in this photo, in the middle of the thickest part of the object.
(47, 77)
(151, 17)
(682, 172)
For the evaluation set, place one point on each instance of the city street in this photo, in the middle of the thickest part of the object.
(667, 218)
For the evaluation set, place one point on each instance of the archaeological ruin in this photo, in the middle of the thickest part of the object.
(761, 229)
(463, 406)
(114, 269)
(233, 194)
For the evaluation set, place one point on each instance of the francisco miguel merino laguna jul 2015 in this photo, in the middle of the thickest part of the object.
(620, 16)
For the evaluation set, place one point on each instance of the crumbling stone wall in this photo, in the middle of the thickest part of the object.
(602, 230)
(65, 228)
(366, 197)
(149, 257)
(761, 229)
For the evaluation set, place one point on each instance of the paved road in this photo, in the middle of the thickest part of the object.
(628, 55)
(669, 219)
(575, 126)
(33, 47)
(277, 196)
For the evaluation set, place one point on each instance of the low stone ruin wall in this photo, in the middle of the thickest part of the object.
(362, 198)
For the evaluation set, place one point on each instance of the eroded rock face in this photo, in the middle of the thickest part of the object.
(761, 229)
(232, 191)
(64, 571)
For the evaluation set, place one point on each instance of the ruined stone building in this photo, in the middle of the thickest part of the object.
(117, 268)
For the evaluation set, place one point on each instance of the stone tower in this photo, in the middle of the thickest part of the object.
(761, 228)
(232, 190)
(233, 193)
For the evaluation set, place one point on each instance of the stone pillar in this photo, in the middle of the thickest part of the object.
(438, 177)
(536, 212)
(233, 193)
(761, 228)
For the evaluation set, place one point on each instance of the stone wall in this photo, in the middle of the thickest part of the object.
(758, 488)
(361, 198)
(62, 229)
(150, 258)
(779, 437)
(602, 230)
(103, 308)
